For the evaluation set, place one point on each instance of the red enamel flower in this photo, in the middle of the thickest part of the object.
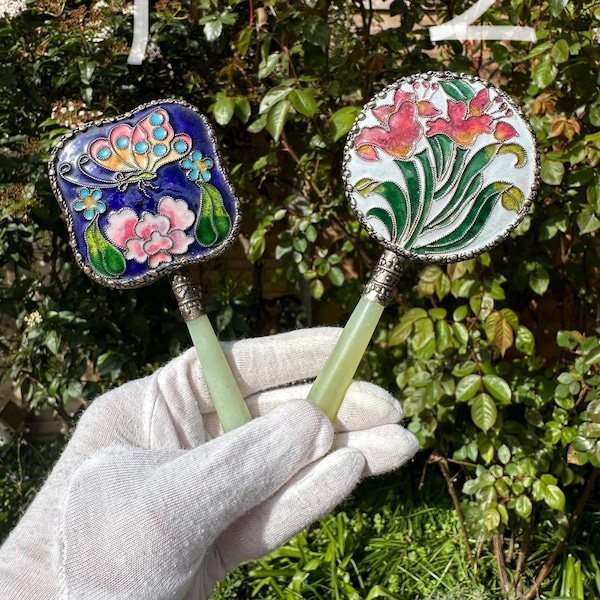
(465, 122)
(399, 128)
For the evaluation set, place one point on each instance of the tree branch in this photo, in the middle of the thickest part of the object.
(443, 463)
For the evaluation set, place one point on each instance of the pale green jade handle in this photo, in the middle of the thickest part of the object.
(330, 387)
(226, 396)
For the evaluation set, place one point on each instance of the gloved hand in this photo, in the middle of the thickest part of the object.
(150, 501)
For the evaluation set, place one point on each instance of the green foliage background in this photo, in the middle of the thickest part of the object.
(496, 360)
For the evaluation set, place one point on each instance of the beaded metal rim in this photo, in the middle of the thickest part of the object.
(151, 276)
(431, 77)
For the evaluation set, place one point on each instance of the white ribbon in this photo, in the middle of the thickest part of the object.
(141, 25)
(460, 28)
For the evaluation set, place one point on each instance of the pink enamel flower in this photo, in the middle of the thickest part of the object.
(398, 130)
(465, 122)
(152, 238)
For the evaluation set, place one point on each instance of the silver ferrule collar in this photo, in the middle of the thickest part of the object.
(189, 298)
(386, 275)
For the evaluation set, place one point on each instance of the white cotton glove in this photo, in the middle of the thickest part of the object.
(151, 501)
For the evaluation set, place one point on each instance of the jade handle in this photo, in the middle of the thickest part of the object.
(222, 385)
(330, 387)
(227, 398)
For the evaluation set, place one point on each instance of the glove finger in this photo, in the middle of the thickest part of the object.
(315, 491)
(234, 473)
(385, 448)
(365, 405)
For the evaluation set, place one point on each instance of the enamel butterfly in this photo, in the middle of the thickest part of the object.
(131, 154)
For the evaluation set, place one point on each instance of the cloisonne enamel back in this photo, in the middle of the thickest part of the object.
(144, 194)
(440, 167)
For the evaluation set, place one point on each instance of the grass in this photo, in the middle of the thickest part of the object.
(391, 539)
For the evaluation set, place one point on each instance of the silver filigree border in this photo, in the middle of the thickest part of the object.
(149, 277)
(459, 256)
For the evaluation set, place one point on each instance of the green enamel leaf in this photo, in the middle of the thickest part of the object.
(411, 178)
(457, 165)
(517, 150)
(214, 224)
(365, 186)
(442, 149)
(468, 184)
(385, 217)
(512, 198)
(420, 201)
(104, 257)
(472, 224)
(458, 90)
(398, 203)
(455, 206)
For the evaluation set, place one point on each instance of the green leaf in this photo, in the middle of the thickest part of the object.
(552, 172)
(242, 109)
(484, 412)
(467, 387)
(460, 313)
(273, 97)
(504, 454)
(539, 280)
(317, 289)
(499, 331)
(525, 341)
(277, 117)
(587, 220)
(213, 29)
(560, 51)
(554, 497)
(257, 245)
(443, 335)
(336, 276)
(214, 224)
(491, 519)
(303, 102)
(557, 6)
(342, 120)
(316, 31)
(258, 125)
(523, 506)
(52, 342)
(223, 109)
(268, 64)
(423, 339)
(498, 388)
(400, 333)
(544, 72)
(464, 368)
(461, 332)
(105, 258)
